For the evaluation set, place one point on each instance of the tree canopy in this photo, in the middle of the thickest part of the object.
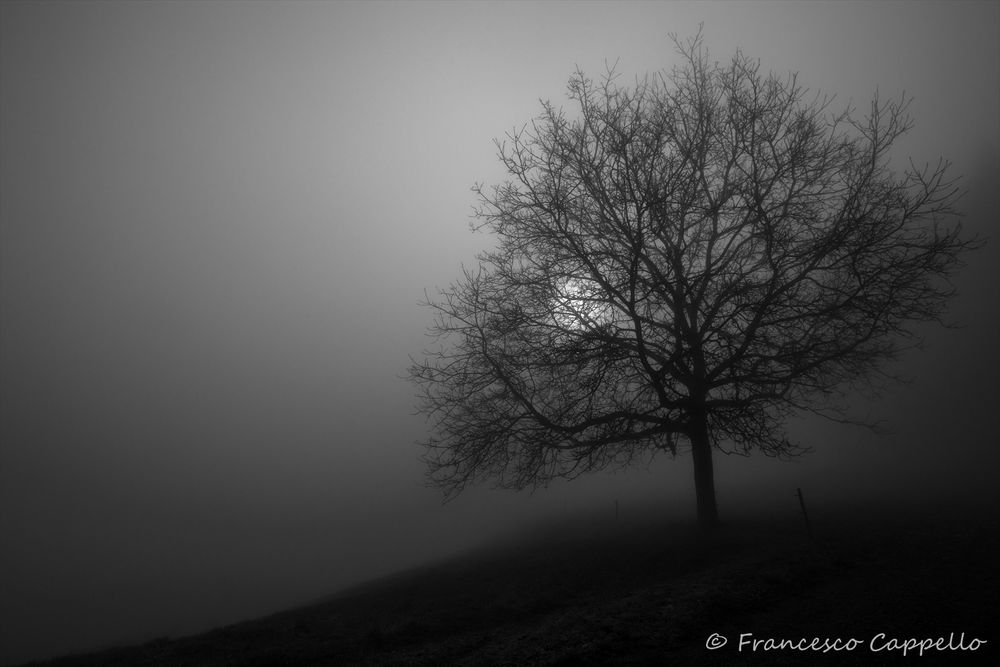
(681, 264)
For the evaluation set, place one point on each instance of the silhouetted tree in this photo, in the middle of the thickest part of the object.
(683, 265)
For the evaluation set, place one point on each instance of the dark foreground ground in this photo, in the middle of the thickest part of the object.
(649, 592)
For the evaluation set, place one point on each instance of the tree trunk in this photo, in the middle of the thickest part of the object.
(704, 477)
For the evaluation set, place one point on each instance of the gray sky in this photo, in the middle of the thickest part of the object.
(218, 219)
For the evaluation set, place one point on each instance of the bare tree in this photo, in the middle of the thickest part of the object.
(685, 264)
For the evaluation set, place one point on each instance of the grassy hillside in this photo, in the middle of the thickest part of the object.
(645, 591)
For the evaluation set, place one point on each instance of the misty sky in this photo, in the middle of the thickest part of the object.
(218, 219)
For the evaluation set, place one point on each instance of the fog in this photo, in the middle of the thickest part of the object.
(218, 220)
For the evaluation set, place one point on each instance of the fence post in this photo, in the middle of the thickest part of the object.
(805, 515)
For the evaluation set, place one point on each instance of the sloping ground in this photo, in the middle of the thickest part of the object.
(647, 593)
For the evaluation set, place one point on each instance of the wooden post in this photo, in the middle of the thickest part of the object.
(805, 515)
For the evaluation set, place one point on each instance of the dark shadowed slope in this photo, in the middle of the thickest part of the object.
(645, 592)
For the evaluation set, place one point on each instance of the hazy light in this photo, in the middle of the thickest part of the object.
(581, 306)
